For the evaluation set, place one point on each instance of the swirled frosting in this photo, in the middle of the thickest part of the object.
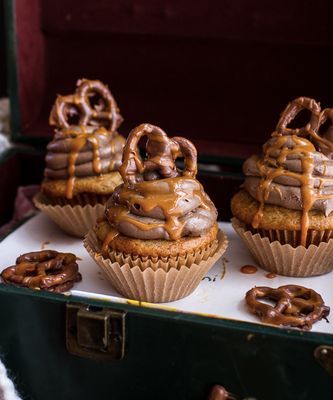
(157, 200)
(86, 142)
(295, 170)
(82, 152)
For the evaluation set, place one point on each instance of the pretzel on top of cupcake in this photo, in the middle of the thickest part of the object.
(160, 215)
(287, 196)
(82, 158)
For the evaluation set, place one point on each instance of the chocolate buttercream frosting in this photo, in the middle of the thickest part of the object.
(295, 170)
(86, 142)
(158, 200)
(82, 152)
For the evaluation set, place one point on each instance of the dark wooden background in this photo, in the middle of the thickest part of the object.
(2, 53)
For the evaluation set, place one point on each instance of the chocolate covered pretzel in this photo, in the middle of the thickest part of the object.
(92, 104)
(290, 112)
(295, 306)
(47, 270)
(162, 153)
(159, 200)
(218, 392)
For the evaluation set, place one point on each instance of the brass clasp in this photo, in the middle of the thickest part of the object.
(93, 332)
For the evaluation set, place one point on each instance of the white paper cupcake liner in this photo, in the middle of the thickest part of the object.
(81, 199)
(165, 263)
(294, 237)
(283, 259)
(75, 221)
(158, 285)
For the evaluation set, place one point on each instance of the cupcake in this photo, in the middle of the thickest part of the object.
(159, 236)
(82, 159)
(284, 211)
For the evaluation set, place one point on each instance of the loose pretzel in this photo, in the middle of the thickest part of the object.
(218, 392)
(292, 109)
(295, 305)
(46, 269)
(104, 113)
(162, 153)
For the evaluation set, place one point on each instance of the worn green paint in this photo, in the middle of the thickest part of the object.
(169, 355)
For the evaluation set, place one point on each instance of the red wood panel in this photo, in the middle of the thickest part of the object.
(219, 73)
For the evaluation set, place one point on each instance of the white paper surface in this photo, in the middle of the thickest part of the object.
(221, 293)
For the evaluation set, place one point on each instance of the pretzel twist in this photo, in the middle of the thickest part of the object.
(46, 269)
(103, 113)
(162, 153)
(295, 306)
(290, 112)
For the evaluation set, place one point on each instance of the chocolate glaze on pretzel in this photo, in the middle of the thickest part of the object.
(162, 153)
(296, 306)
(47, 270)
(290, 112)
(92, 104)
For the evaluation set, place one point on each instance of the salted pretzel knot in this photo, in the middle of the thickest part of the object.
(290, 112)
(92, 104)
(162, 153)
(295, 305)
(46, 269)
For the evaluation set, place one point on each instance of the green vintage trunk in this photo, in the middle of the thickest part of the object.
(167, 355)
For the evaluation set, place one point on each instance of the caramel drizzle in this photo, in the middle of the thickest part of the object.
(151, 194)
(161, 154)
(306, 149)
(108, 239)
(78, 141)
(155, 183)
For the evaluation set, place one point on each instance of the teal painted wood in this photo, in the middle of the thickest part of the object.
(168, 356)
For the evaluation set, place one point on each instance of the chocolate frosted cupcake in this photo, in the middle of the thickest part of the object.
(159, 236)
(83, 158)
(284, 212)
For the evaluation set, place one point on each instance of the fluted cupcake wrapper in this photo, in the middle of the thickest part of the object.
(75, 221)
(137, 279)
(165, 263)
(283, 259)
(81, 199)
(294, 237)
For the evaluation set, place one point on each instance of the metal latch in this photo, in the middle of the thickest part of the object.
(95, 332)
(324, 355)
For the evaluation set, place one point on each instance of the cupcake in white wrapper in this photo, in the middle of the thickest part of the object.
(160, 235)
(82, 159)
(284, 213)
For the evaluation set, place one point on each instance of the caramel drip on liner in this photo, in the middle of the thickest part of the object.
(108, 239)
(304, 148)
(151, 194)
